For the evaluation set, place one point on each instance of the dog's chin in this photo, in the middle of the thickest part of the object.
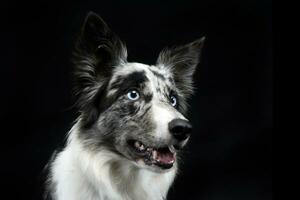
(158, 159)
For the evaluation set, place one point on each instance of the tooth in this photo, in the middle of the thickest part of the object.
(142, 147)
(137, 144)
(154, 155)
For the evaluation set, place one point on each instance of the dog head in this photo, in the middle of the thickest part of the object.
(134, 110)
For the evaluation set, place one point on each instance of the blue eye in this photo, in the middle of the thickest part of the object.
(133, 95)
(173, 101)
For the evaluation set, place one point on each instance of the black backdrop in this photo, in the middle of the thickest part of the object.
(229, 156)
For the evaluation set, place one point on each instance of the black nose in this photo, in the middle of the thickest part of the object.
(180, 129)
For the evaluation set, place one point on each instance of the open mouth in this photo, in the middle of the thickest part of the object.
(162, 157)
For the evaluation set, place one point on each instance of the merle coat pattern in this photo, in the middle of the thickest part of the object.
(126, 141)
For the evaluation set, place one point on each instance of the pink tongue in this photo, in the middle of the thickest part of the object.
(165, 158)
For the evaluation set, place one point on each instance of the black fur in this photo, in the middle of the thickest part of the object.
(97, 50)
(133, 80)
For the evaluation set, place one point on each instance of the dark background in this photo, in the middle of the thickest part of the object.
(229, 156)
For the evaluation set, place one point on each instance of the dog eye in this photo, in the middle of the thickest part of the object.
(173, 100)
(133, 95)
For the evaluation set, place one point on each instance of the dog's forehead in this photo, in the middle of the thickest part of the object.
(157, 76)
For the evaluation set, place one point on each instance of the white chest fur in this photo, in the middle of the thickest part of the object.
(77, 174)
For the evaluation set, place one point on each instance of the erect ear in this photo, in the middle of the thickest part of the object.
(97, 52)
(182, 61)
(98, 42)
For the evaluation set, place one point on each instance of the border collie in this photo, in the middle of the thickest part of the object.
(131, 128)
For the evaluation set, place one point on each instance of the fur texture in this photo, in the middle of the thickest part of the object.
(123, 146)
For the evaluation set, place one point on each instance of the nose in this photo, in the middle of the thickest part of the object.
(180, 129)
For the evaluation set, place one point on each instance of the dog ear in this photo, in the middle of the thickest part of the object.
(182, 61)
(98, 50)
(99, 43)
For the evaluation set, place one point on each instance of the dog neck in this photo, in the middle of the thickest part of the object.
(80, 174)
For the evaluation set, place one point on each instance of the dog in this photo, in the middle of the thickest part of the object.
(126, 142)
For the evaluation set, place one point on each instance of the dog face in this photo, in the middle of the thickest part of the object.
(131, 109)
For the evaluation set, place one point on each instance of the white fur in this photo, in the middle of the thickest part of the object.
(162, 115)
(79, 174)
